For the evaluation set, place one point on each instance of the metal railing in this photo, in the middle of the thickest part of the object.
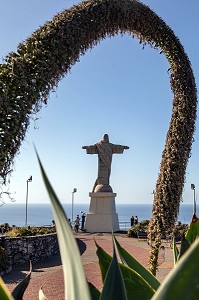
(124, 225)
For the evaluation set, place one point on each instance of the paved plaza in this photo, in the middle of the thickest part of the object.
(49, 274)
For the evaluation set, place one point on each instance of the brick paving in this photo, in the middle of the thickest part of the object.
(49, 274)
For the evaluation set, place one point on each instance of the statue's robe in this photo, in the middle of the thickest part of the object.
(105, 151)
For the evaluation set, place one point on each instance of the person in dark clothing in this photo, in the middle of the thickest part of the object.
(83, 221)
(132, 221)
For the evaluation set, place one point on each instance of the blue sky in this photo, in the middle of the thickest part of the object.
(116, 88)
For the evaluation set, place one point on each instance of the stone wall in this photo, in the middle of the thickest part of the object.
(23, 249)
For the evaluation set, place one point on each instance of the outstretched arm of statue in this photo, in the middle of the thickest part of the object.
(118, 149)
(90, 149)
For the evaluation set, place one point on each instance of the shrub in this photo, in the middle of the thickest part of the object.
(5, 227)
(180, 229)
(142, 226)
(30, 231)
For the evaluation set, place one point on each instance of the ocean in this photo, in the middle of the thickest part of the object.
(41, 214)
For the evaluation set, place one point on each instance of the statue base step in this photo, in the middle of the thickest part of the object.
(102, 216)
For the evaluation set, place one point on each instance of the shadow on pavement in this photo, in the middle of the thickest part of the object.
(81, 245)
(19, 271)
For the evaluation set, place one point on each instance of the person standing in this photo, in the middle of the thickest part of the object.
(132, 221)
(69, 221)
(83, 220)
(77, 222)
(136, 220)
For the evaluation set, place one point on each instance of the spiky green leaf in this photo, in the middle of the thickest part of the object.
(136, 286)
(185, 244)
(41, 295)
(132, 263)
(19, 290)
(193, 231)
(4, 292)
(104, 261)
(95, 293)
(175, 251)
(183, 281)
(74, 278)
(114, 288)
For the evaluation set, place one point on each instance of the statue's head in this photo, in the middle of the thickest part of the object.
(105, 138)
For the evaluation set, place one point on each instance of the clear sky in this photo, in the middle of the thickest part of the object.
(116, 88)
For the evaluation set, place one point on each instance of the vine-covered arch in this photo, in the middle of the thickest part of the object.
(28, 75)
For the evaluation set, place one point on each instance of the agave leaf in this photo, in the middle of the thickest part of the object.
(4, 292)
(185, 244)
(19, 290)
(41, 295)
(74, 278)
(182, 281)
(193, 231)
(104, 260)
(136, 286)
(114, 287)
(132, 263)
(175, 251)
(95, 293)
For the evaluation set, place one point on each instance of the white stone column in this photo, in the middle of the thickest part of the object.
(102, 216)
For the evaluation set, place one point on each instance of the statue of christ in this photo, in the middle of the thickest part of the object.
(105, 150)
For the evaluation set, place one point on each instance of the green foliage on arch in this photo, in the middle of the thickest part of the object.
(28, 75)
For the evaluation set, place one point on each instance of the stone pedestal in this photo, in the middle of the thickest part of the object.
(102, 216)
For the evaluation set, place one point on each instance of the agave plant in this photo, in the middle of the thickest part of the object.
(19, 290)
(122, 281)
